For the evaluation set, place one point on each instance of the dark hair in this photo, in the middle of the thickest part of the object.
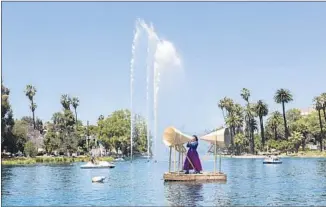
(195, 137)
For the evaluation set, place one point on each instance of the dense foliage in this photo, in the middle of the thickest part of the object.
(253, 127)
(65, 134)
(284, 132)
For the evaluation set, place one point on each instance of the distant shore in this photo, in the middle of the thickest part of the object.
(308, 154)
(301, 154)
(65, 160)
(49, 160)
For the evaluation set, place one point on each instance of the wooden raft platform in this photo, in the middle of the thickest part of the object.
(205, 176)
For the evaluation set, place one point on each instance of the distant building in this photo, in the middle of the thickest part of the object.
(306, 111)
(312, 146)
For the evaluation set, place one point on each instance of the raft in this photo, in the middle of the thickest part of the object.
(175, 139)
(203, 177)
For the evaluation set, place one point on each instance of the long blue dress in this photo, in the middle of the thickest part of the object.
(194, 158)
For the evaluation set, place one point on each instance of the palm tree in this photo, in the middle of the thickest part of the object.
(101, 117)
(234, 121)
(58, 120)
(319, 106)
(65, 101)
(323, 96)
(100, 124)
(75, 104)
(245, 94)
(301, 126)
(221, 105)
(283, 96)
(252, 127)
(239, 141)
(295, 139)
(229, 103)
(238, 110)
(261, 109)
(275, 120)
(30, 93)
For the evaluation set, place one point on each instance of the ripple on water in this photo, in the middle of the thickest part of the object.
(295, 182)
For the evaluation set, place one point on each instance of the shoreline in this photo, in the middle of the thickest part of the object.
(281, 156)
(67, 160)
(299, 155)
(308, 154)
(49, 160)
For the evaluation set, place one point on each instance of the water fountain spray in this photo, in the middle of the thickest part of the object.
(132, 66)
(157, 58)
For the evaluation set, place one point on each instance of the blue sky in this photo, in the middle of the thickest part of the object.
(84, 49)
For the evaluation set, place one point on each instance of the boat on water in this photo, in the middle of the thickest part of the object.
(98, 179)
(272, 160)
(100, 164)
(119, 159)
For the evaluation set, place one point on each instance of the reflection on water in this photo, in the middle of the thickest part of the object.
(295, 182)
(321, 168)
(183, 194)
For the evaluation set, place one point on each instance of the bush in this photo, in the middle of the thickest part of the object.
(30, 149)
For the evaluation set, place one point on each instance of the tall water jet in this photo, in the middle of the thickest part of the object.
(147, 94)
(132, 65)
(161, 55)
(156, 88)
(152, 38)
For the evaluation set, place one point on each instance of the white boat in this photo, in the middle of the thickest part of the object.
(98, 179)
(100, 164)
(119, 159)
(272, 160)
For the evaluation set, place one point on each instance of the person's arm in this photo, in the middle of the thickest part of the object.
(188, 144)
(193, 145)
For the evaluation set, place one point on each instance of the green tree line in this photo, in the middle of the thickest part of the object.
(64, 133)
(285, 132)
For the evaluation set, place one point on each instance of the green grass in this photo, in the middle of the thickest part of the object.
(54, 160)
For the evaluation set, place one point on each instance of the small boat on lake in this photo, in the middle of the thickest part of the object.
(98, 179)
(100, 164)
(119, 159)
(272, 160)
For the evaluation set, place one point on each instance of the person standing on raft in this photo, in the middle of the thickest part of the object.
(192, 160)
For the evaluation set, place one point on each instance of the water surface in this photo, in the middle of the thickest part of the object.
(296, 182)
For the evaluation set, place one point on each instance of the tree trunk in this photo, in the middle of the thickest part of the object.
(262, 131)
(285, 124)
(304, 142)
(76, 117)
(296, 149)
(33, 112)
(321, 131)
(275, 133)
(247, 129)
(232, 139)
(223, 115)
(252, 141)
(324, 110)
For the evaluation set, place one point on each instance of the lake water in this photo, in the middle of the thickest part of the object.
(298, 181)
